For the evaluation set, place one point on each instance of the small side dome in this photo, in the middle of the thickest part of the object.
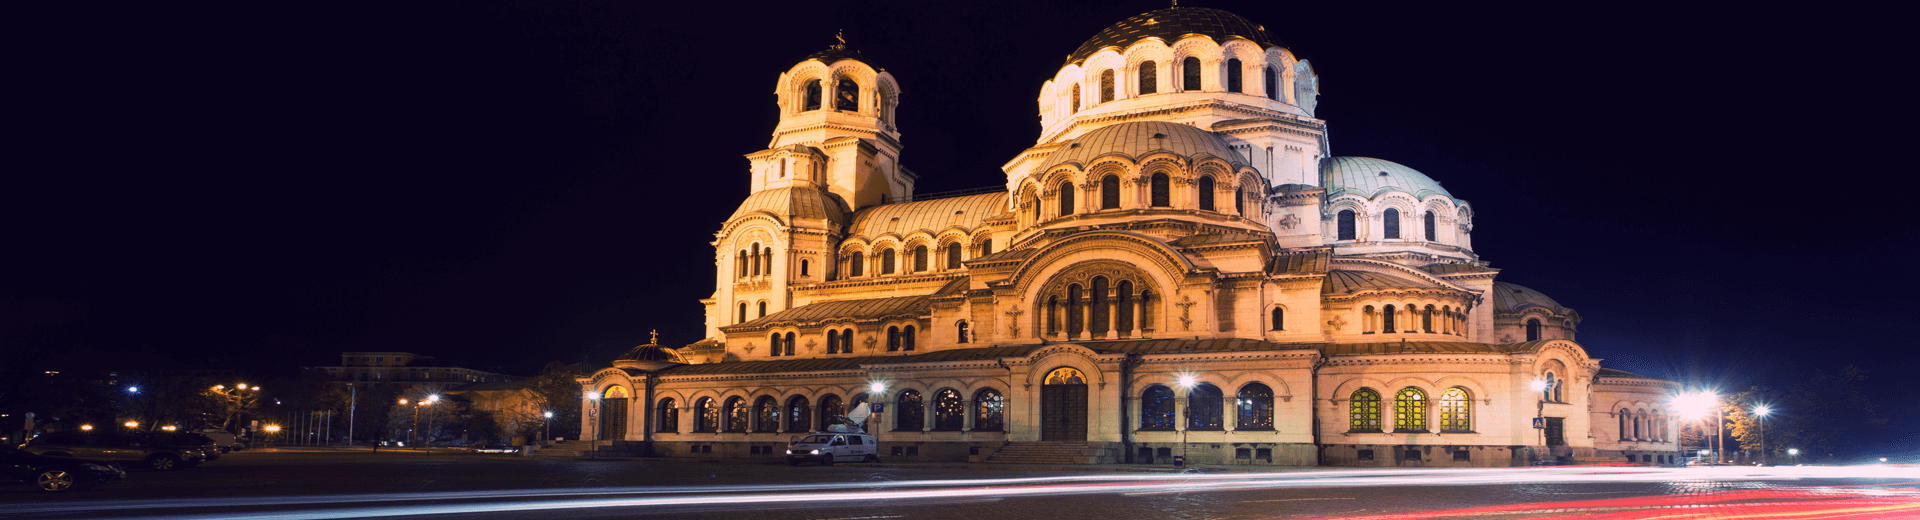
(1138, 139)
(794, 202)
(1369, 177)
(1509, 298)
(649, 357)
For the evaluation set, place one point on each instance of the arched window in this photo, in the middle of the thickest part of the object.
(1106, 85)
(1390, 223)
(1387, 319)
(953, 256)
(766, 414)
(668, 417)
(833, 342)
(949, 414)
(1344, 223)
(989, 411)
(743, 313)
(1098, 301)
(1410, 410)
(1639, 424)
(886, 261)
(1279, 319)
(909, 412)
(893, 339)
(846, 341)
(847, 95)
(740, 261)
(1190, 71)
(831, 410)
(1075, 323)
(756, 260)
(1206, 193)
(1066, 198)
(906, 338)
(1123, 307)
(1626, 424)
(986, 247)
(1546, 392)
(799, 415)
(1203, 408)
(813, 96)
(1161, 194)
(1240, 202)
(1053, 315)
(803, 267)
(1363, 411)
(773, 344)
(1110, 192)
(1430, 228)
(1533, 329)
(1156, 409)
(788, 344)
(735, 411)
(707, 416)
(920, 259)
(857, 264)
(1456, 410)
(1426, 320)
(1255, 403)
(1233, 74)
(962, 328)
(1075, 102)
(1149, 77)
(1146, 309)
(1272, 80)
(763, 309)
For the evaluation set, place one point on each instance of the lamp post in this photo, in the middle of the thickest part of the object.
(1695, 405)
(431, 400)
(1760, 415)
(1539, 387)
(416, 420)
(1186, 391)
(593, 401)
(1793, 454)
(549, 434)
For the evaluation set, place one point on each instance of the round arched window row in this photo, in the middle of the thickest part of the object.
(1102, 309)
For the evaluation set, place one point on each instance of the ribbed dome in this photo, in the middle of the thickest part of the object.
(1137, 139)
(794, 202)
(649, 357)
(1173, 23)
(1511, 299)
(1369, 177)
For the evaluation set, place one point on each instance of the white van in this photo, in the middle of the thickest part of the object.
(225, 440)
(826, 447)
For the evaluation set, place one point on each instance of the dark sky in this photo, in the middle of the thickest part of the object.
(510, 183)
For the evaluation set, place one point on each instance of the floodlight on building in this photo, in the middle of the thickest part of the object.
(86, 427)
(593, 396)
(1187, 380)
(133, 424)
(242, 386)
(1537, 385)
(877, 387)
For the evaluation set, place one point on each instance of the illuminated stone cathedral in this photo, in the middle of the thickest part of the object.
(1177, 266)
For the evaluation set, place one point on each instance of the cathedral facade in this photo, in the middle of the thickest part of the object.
(1177, 267)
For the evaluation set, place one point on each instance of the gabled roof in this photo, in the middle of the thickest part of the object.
(1310, 261)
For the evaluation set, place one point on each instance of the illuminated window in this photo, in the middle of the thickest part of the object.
(1206, 193)
(831, 410)
(1190, 70)
(1410, 410)
(766, 415)
(989, 411)
(799, 415)
(1156, 409)
(1106, 85)
(1110, 192)
(1233, 75)
(1161, 194)
(1456, 410)
(736, 413)
(1344, 223)
(886, 261)
(1255, 404)
(1390, 223)
(1203, 408)
(910, 413)
(1363, 411)
(1149, 77)
(920, 259)
(953, 256)
(707, 416)
(949, 414)
(856, 264)
(668, 417)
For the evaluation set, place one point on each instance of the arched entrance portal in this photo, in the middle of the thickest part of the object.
(613, 413)
(1063, 406)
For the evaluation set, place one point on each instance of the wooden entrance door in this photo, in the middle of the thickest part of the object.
(1556, 431)
(1063, 406)
(613, 419)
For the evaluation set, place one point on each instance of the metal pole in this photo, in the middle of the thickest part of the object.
(353, 405)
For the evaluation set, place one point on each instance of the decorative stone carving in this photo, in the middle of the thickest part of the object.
(810, 345)
(1338, 322)
(1186, 309)
(748, 348)
(1013, 321)
(1290, 221)
(871, 342)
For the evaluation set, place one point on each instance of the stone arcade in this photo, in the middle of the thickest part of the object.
(1177, 265)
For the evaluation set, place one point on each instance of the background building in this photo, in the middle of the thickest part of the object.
(404, 371)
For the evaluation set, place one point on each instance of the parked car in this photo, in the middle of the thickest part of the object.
(117, 448)
(225, 439)
(55, 474)
(825, 447)
(188, 440)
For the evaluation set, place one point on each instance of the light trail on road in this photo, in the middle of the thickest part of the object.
(722, 498)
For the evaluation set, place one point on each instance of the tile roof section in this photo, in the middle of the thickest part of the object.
(1348, 282)
(1137, 139)
(1217, 238)
(1172, 23)
(1311, 261)
(1364, 176)
(868, 309)
(932, 216)
(1457, 268)
(794, 202)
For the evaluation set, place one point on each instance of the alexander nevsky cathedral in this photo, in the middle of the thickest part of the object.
(1178, 267)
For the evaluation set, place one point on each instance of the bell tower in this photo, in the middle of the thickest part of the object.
(838, 108)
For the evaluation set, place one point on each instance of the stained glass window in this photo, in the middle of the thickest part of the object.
(737, 414)
(1190, 69)
(1255, 404)
(709, 415)
(1410, 410)
(767, 415)
(669, 417)
(799, 415)
(990, 411)
(1233, 75)
(949, 414)
(1149, 77)
(1156, 409)
(1203, 408)
(910, 412)
(1344, 223)
(1066, 376)
(1456, 410)
(1106, 85)
(831, 410)
(1363, 411)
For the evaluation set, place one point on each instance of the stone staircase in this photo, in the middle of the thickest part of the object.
(607, 449)
(1045, 452)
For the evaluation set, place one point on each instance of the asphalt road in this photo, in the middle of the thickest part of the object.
(331, 484)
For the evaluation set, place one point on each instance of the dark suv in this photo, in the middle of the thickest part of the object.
(55, 474)
(116, 447)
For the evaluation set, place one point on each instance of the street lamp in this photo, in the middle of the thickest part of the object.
(272, 430)
(549, 435)
(1760, 413)
(133, 424)
(1539, 387)
(431, 400)
(1187, 382)
(416, 420)
(594, 401)
(133, 389)
(1794, 455)
(1697, 405)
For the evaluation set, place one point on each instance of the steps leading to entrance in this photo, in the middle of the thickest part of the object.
(1046, 452)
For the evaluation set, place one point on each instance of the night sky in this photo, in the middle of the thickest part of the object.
(1716, 191)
